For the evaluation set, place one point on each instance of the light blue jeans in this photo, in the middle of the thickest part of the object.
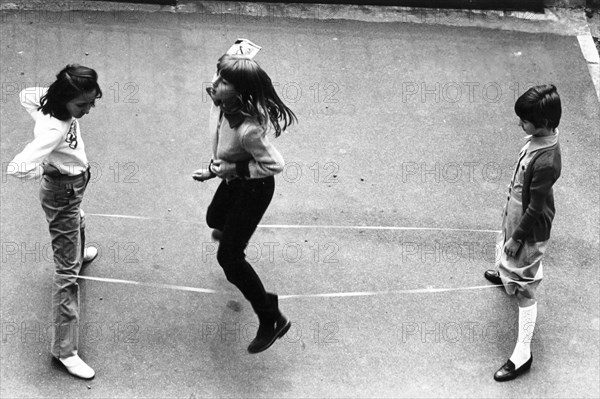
(61, 201)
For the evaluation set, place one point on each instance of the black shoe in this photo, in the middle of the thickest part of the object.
(268, 333)
(508, 372)
(493, 276)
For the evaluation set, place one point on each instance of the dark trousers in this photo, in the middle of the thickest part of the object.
(236, 209)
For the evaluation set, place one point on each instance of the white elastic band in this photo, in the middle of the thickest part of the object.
(309, 226)
(427, 290)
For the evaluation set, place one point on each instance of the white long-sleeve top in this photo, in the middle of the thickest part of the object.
(50, 144)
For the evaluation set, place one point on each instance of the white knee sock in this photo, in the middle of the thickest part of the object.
(522, 351)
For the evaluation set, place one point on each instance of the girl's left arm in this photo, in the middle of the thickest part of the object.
(266, 160)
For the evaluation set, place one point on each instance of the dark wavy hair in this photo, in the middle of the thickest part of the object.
(256, 92)
(541, 106)
(71, 82)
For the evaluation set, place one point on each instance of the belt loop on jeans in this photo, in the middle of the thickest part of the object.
(70, 190)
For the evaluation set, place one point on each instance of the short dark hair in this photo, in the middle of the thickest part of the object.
(540, 105)
(71, 82)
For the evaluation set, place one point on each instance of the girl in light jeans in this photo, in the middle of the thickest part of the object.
(57, 153)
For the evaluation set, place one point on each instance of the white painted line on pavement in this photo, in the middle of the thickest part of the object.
(590, 53)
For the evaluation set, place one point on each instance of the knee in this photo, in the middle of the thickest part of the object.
(524, 301)
(211, 218)
(81, 219)
(228, 256)
(209, 221)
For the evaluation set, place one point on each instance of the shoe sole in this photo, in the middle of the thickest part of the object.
(498, 283)
(516, 375)
(277, 336)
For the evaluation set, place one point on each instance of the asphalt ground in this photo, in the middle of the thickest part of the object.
(381, 227)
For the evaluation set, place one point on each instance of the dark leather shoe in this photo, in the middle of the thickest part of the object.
(268, 333)
(508, 371)
(493, 276)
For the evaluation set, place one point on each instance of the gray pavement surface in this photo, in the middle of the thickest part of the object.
(405, 146)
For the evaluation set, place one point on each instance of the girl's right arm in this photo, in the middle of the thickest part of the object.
(30, 99)
(28, 163)
(203, 174)
(48, 133)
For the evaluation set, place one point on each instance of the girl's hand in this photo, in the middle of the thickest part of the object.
(202, 174)
(223, 169)
(512, 247)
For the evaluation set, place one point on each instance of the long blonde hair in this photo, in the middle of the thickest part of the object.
(256, 92)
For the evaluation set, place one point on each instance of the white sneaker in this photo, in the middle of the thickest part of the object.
(78, 367)
(89, 254)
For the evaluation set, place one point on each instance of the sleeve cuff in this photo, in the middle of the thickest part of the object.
(213, 174)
